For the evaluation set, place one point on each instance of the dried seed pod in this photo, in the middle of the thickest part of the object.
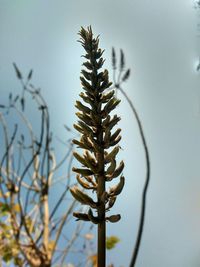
(73, 191)
(111, 168)
(91, 180)
(84, 128)
(107, 96)
(111, 202)
(111, 156)
(106, 138)
(78, 128)
(82, 107)
(81, 144)
(112, 103)
(79, 158)
(115, 141)
(106, 121)
(84, 184)
(116, 190)
(100, 64)
(81, 216)
(85, 118)
(84, 172)
(88, 156)
(88, 65)
(93, 142)
(113, 121)
(86, 85)
(85, 139)
(86, 74)
(87, 100)
(99, 53)
(104, 85)
(114, 218)
(90, 162)
(82, 197)
(116, 173)
(115, 135)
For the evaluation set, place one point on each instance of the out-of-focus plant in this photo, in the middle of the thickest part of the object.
(100, 144)
(111, 242)
(31, 223)
(197, 4)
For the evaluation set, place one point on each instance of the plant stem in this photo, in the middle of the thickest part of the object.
(101, 226)
(101, 262)
(102, 242)
(146, 184)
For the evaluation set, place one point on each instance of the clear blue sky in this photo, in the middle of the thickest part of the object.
(161, 45)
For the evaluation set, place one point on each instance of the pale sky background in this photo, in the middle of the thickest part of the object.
(161, 44)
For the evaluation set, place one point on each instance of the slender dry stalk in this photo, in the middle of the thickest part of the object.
(146, 184)
(123, 75)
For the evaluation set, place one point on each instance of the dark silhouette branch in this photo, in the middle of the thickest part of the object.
(144, 193)
(117, 85)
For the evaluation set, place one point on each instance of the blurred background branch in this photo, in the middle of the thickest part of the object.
(118, 81)
(31, 225)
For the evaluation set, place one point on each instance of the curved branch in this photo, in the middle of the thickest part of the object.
(144, 194)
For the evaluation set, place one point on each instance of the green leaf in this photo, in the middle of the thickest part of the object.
(4, 207)
(111, 242)
(7, 257)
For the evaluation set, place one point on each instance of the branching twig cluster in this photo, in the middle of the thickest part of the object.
(29, 228)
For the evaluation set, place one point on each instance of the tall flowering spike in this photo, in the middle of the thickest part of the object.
(98, 140)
